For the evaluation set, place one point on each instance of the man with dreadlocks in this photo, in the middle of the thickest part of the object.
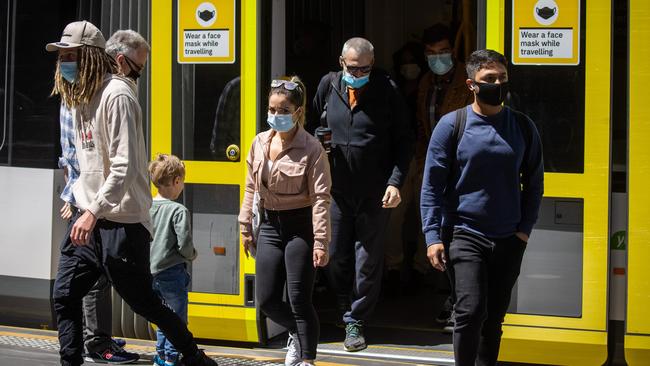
(112, 230)
(97, 304)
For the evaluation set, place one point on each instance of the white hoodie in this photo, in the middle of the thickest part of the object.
(114, 182)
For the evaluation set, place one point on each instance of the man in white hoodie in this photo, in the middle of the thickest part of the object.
(112, 231)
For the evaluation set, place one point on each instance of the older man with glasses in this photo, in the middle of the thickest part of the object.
(371, 147)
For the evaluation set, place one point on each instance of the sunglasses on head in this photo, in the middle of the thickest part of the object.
(362, 69)
(289, 85)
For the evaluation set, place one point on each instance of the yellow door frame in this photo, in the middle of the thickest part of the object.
(564, 340)
(637, 332)
(214, 316)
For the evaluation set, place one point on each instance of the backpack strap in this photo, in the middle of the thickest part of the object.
(330, 85)
(457, 134)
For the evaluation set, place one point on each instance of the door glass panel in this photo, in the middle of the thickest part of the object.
(550, 282)
(561, 127)
(4, 44)
(215, 232)
(206, 103)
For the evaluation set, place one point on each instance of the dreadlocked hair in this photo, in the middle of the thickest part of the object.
(93, 63)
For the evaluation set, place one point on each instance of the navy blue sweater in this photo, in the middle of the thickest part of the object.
(489, 196)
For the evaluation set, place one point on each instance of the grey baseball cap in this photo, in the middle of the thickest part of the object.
(77, 34)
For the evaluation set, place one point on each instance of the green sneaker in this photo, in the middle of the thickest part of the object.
(354, 340)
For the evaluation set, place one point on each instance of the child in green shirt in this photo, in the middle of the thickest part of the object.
(171, 248)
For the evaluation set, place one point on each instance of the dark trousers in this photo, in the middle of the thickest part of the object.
(484, 271)
(121, 252)
(285, 255)
(357, 252)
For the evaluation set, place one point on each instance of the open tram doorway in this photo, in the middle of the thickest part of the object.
(307, 37)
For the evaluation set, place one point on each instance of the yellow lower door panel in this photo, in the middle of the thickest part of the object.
(553, 346)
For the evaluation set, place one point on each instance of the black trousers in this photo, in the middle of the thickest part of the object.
(484, 271)
(285, 255)
(121, 252)
(357, 253)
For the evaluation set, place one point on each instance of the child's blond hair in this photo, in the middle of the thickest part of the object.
(165, 168)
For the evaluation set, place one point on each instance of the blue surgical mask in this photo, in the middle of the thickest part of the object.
(280, 122)
(440, 64)
(355, 82)
(68, 70)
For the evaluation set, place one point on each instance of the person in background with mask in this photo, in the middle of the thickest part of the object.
(289, 169)
(442, 90)
(481, 193)
(371, 148)
(110, 234)
(124, 47)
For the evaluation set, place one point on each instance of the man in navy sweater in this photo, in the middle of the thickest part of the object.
(480, 198)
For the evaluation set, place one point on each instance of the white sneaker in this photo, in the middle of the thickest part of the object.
(305, 363)
(293, 351)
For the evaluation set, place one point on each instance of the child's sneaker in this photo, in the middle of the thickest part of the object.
(158, 361)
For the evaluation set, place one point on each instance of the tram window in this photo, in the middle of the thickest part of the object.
(206, 103)
(215, 232)
(550, 282)
(554, 97)
(30, 114)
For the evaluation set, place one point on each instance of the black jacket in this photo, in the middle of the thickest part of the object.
(372, 144)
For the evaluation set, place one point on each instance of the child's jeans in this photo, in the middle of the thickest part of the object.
(172, 287)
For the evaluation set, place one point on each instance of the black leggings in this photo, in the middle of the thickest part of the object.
(285, 254)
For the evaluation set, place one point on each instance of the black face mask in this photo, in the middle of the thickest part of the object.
(132, 74)
(492, 94)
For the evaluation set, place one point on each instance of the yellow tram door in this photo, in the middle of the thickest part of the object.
(637, 327)
(204, 98)
(559, 52)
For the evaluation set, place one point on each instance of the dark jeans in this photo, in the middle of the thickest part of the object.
(285, 254)
(357, 252)
(484, 271)
(121, 252)
(172, 285)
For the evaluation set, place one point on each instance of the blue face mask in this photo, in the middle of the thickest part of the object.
(68, 70)
(280, 122)
(355, 82)
(440, 64)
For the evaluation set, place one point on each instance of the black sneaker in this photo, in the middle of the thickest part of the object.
(354, 340)
(113, 355)
(199, 359)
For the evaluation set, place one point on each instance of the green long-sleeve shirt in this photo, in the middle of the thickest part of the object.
(172, 235)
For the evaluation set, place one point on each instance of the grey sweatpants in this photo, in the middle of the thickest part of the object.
(98, 316)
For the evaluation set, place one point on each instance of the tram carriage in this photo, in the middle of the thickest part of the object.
(584, 289)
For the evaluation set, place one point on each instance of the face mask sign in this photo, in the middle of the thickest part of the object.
(68, 70)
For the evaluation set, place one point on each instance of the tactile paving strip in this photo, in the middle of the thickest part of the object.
(53, 345)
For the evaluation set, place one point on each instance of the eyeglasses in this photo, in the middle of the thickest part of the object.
(361, 69)
(289, 85)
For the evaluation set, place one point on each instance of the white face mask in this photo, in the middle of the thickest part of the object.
(410, 71)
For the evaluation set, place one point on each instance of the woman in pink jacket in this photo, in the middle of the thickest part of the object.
(289, 170)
